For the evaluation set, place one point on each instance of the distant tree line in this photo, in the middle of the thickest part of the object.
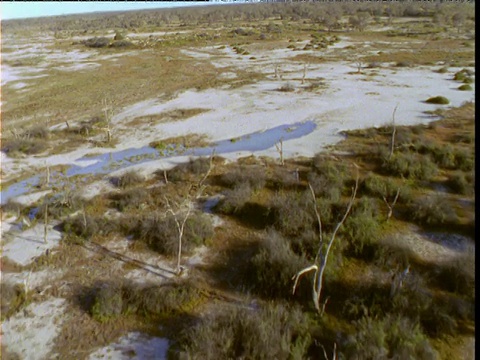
(324, 12)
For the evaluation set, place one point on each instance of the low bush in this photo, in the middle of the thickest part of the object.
(439, 100)
(432, 210)
(413, 166)
(272, 332)
(458, 275)
(166, 300)
(442, 70)
(391, 336)
(12, 147)
(197, 167)
(122, 44)
(274, 265)
(252, 175)
(234, 199)
(82, 226)
(97, 42)
(460, 184)
(13, 299)
(37, 132)
(378, 186)
(465, 87)
(128, 179)
(131, 199)
(403, 64)
(362, 227)
(288, 87)
(292, 212)
(107, 303)
(161, 232)
(111, 300)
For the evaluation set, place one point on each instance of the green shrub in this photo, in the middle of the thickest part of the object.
(459, 76)
(439, 100)
(468, 80)
(195, 167)
(111, 300)
(252, 175)
(292, 212)
(362, 228)
(131, 199)
(272, 332)
(13, 299)
(234, 199)
(288, 87)
(410, 165)
(432, 210)
(37, 132)
(465, 87)
(464, 160)
(273, 266)
(85, 226)
(443, 70)
(97, 42)
(459, 184)
(122, 44)
(167, 299)
(161, 232)
(390, 337)
(12, 147)
(108, 303)
(130, 178)
(378, 186)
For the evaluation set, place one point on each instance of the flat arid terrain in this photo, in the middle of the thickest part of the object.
(251, 181)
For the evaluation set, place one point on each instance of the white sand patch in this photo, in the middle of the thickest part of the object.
(31, 333)
(134, 345)
(96, 188)
(429, 248)
(23, 247)
(29, 199)
(198, 256)
(40, 280)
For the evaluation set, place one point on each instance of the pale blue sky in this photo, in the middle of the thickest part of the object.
(15, 10)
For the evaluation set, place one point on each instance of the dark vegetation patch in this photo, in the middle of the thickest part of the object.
(273, 331)
(111, 300)
(160, 232)
(439, 100)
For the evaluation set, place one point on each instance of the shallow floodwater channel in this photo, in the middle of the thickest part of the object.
(106, 163)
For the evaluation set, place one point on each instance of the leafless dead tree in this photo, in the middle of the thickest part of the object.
(397, 281)
(321, 259)
(279, 147)
(182, 211)
(392, 205)
(45, 228)
(394, 131)
(108, 118)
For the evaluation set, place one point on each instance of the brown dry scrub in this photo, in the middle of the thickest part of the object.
(174, 115)
(75, 94)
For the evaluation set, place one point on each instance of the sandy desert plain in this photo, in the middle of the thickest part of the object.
(218, 135)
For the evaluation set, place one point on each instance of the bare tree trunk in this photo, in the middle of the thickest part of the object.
(304, 73)
(279, 147)
(390, 207)
(322, 257)
(394, 131)
(47, 180)
(45, 229)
